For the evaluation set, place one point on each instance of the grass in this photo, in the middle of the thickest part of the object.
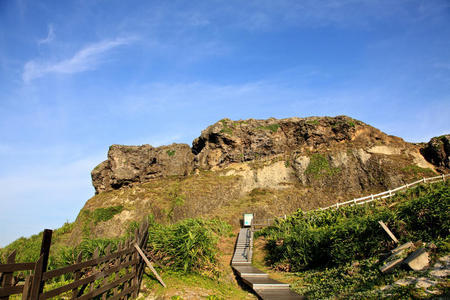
(416, 170)
(226, 128)
(192, 286)
(171, 152)
(338, 253)
(271, 127)
(319, 167)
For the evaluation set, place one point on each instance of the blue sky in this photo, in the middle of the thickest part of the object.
(78, 76)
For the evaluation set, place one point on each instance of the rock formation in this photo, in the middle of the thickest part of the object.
(131, 164)
(312, 147)
(437, 152)
(269, 167)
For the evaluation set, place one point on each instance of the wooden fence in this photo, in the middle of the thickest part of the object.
(116, 275)
(258, 224)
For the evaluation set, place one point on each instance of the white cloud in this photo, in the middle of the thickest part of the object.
(85, 59)
(50, 36)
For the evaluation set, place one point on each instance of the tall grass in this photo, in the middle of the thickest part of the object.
(336, 237)
(189, 245)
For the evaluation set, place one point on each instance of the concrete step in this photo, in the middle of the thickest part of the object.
(274, 294)
(263, 283)
(249, 271)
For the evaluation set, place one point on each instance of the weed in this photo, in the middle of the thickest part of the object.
(271, 127)
(319, 166)
(171, 152)
(416, 170)
(103, 214)
(313, 122)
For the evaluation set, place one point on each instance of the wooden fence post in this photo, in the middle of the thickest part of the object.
(8, 277)
(41, 265)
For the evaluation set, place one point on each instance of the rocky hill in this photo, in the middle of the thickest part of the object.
(270, 167)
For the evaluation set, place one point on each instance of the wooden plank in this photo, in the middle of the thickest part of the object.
(388, 231)
(124, 292)
(13, 267)
(107, 287)
(7, 280)
(77, 276)
(27, 287)
(86, 280)
(89, 263)
(10, 290)
(37, 278)
(149, 264)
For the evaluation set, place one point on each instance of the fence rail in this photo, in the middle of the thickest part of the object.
(258, 224)
(116, 275)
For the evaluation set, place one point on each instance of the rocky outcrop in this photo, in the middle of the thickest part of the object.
(437, 152)
(240, 141)
(318, 151)
(132, 164)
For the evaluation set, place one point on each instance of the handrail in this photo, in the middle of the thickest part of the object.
(373, 197)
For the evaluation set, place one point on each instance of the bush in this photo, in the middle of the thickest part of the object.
(324, 238)
(336, 237)
(189, 245)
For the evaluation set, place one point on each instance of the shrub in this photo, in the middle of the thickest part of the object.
(336, 237)
(189, 245)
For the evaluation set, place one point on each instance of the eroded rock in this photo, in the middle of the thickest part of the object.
(131, 164)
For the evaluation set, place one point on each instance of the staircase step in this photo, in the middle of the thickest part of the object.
(258, 282)
(274, 294)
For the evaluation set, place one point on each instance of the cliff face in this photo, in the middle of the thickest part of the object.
(271, 167)
(133, 164)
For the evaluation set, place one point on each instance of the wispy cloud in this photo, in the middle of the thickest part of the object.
(50, 36)
(88, 58)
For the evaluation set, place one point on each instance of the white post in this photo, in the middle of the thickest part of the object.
(424, 180)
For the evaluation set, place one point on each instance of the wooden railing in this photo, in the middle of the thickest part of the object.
(116, 275)
(260, 223)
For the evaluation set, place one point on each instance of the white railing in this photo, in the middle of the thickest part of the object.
(363, 200)
(386, 194)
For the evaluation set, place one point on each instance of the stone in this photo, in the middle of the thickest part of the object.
(318, 152)
(418, 260)
(437, 151)
(136, 164)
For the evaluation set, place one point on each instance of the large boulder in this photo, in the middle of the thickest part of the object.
(136, 164)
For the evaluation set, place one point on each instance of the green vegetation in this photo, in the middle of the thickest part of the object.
(339, 252)
(171, 152)
(226, 128)
(416, 170)
(189, 245)
(271, 127)
(313, 122)
(351, 123)
(103, 214)
(319, 166)
(180, 284)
